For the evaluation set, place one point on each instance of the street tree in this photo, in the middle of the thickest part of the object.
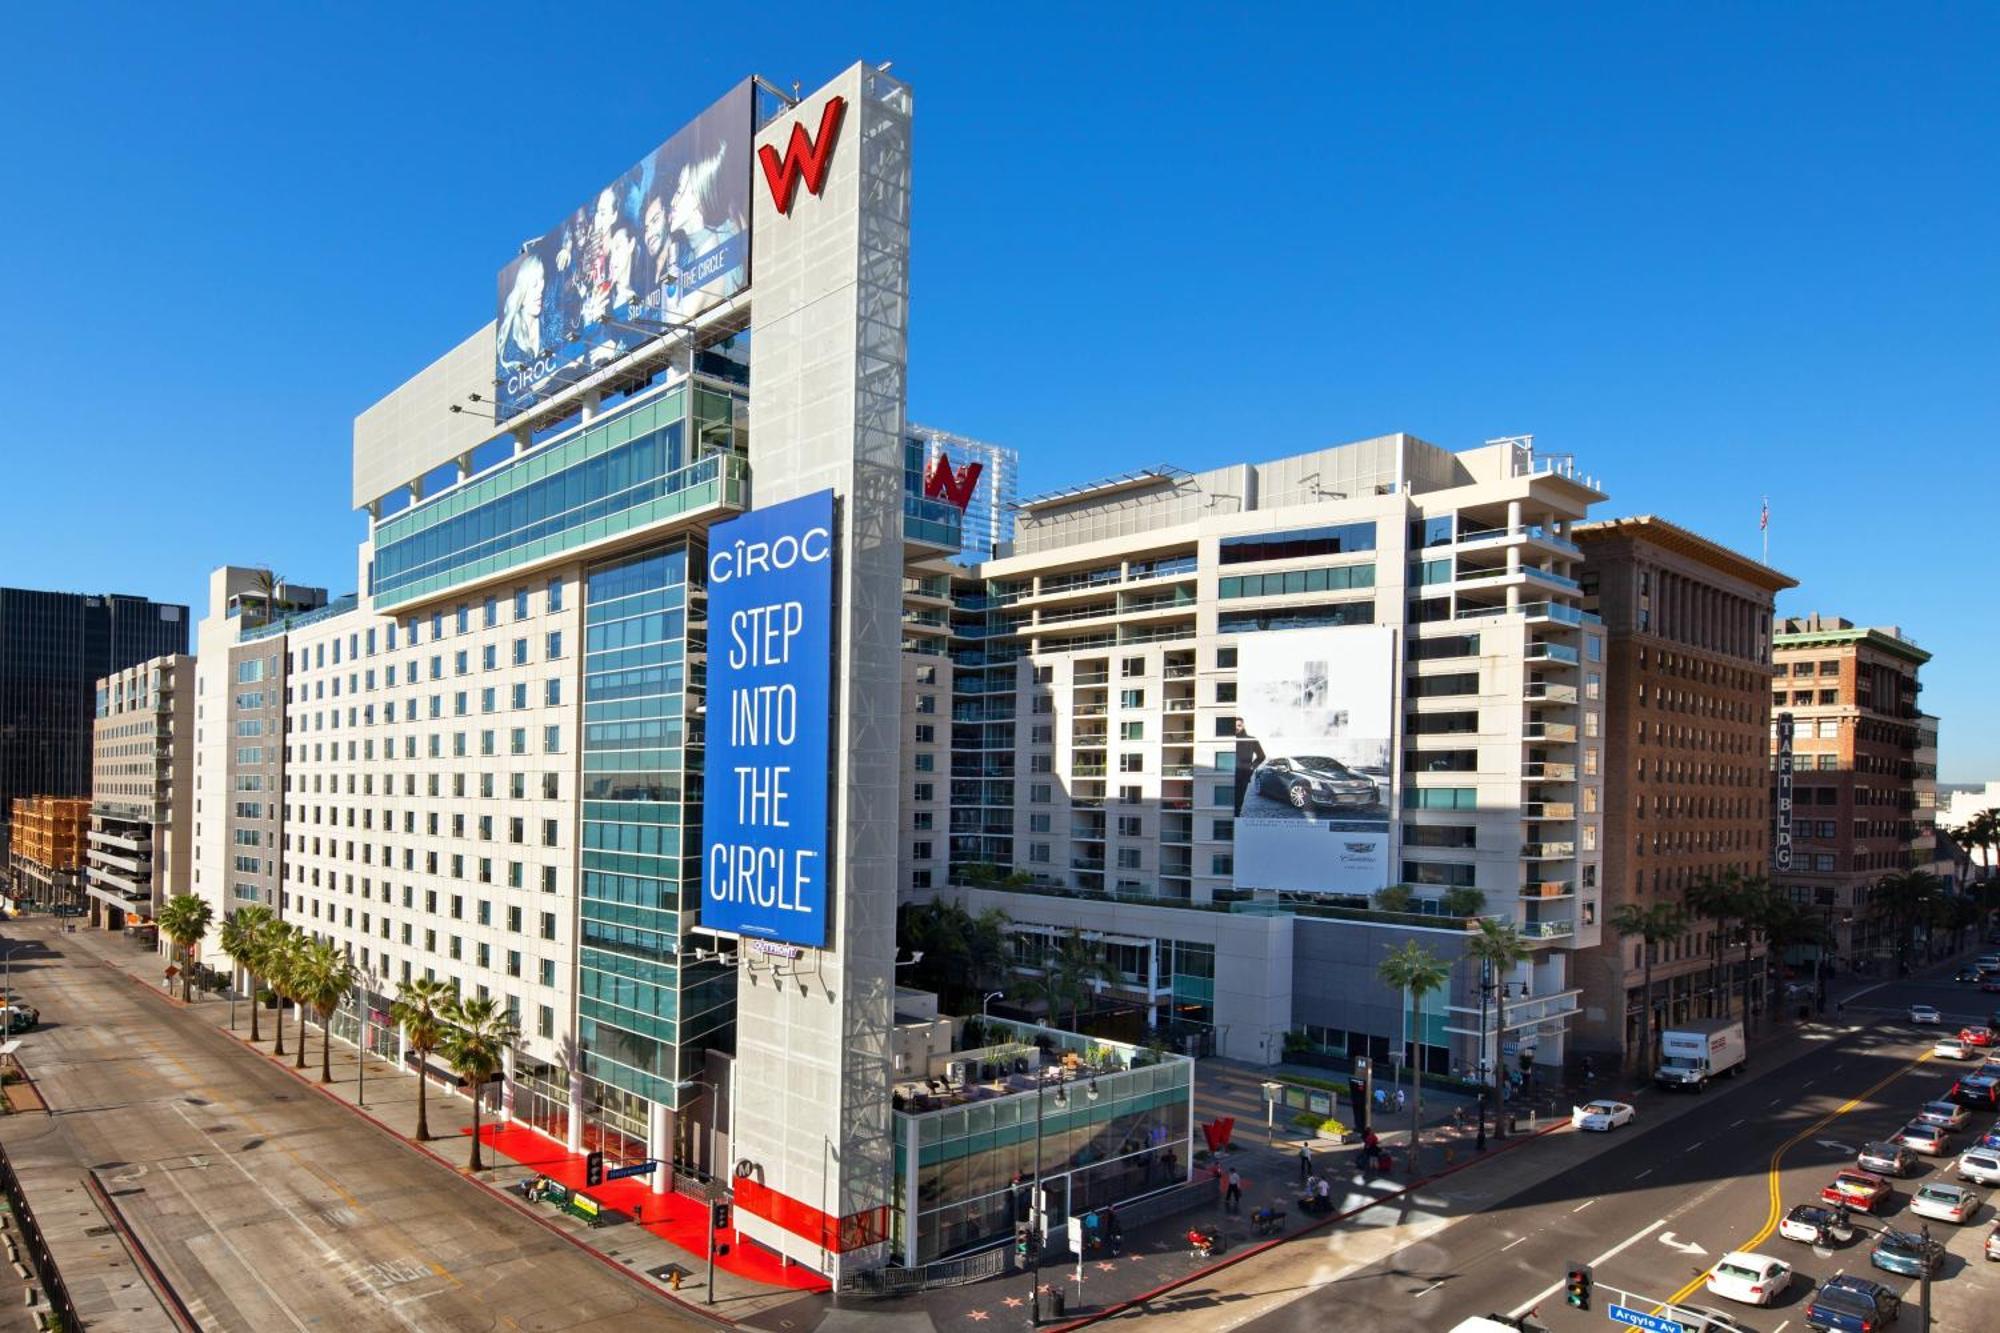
(421, 1008)
(1653, 925)
(476, 1036)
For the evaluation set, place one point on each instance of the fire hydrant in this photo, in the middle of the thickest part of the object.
(674, 1278)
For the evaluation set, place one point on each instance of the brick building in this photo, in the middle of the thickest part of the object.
(1686, 792)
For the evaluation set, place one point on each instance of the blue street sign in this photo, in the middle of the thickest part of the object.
(1652, 1323)
(642, 1169)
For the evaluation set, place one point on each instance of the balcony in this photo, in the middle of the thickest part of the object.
(1087, 834)
(130, 844)
(1549, 810)
(1179, 673)
(1552, 652)
(1086, 863)
(1549, 930)
(1559, 733)
(1548, 888)
(1544, 692)
(1090, 710)
(1487, 537)
(1548, 851)
(1091, 678)
(1087, 770)
(1556, 611)
(1180, 705)
(1547, 772)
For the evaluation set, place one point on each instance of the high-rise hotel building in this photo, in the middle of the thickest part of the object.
(1108, 679)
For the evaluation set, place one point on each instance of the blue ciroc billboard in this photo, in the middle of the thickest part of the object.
(770, 672)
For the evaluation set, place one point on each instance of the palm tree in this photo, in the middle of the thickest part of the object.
(986, 952)
(329, 976)
(1415, 971)
(273, 959)
(1902, 899)
(270, 586)
(1654, 925)
(1784, 924)
(1717, 897)
(476, 1036)
(420, 1009)
(1070, 973)
(242, 939)
(286, 965)
(1497, 946)
(184, 919)
(1756, 902)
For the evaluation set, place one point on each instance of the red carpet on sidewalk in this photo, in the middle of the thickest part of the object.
(674, 1218)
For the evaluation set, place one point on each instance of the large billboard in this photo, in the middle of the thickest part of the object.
(665, 241)
(1313, 753)
(770, 678)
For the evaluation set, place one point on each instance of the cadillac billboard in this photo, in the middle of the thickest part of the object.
(1313, 775)
(665, 241)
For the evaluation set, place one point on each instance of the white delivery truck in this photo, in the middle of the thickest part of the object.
(1692, 1053)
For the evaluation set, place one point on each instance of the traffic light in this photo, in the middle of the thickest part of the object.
(1023, 1239)
(1579, 1286)
(718, 1214)
(593, 1170)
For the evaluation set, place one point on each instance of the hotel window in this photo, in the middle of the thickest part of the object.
(491, 611)
(520, 652)
(520, 605)
(1131, 731)
(464, 620)
(1131, 763)
(922, 791)
(555, 644)
(1131, 698)
(555, 595)
(1134, 666)
(1038, 853)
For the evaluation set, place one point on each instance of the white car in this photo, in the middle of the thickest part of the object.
(1946, 1203)
(1815, 1225)
(1754, 1279)
(1924, 1013)
(1981, 1166)
(1601, 1115)
(1945, 1115)
(1951, 1048)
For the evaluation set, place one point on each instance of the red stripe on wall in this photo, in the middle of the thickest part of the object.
(854, 1232)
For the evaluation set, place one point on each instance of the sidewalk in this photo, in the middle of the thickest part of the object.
(671, 1229)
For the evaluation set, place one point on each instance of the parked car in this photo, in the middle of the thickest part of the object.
(1928, 1139)
(1981, 1166)
(1754, 1279)
(1852, 1305)
(1862, 1191)
(1906, 1253)
(19, 1017)
(1886, 1159)
(1945, 1203)
(1945, 1115)
(1601, 1115)
(1813, 1224)
(1951, 1048)
(1993, 1243)
(1307, 780)
(1926, 1014)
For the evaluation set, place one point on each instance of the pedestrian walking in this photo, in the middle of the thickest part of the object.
(1589, 1071)
(1305, 1162)
(1401, 1099)
(1232, 1199)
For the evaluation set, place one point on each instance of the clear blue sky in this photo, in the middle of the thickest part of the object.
(1714, 251)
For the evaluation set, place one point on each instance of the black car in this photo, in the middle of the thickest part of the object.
(1966, 974)
(1975, 1092)
(1307, 780)
(1852, 1305)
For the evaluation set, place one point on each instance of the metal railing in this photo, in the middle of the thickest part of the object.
(39, 1256)
(958, 1272)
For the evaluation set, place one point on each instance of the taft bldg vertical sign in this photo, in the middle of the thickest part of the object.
(1781, 842)
(764, 804)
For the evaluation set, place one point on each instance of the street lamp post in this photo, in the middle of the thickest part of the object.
(1485, 987)
(360, 1044)
(991, 996)
(7, 972)
(714, 1109)
(1037, 1198)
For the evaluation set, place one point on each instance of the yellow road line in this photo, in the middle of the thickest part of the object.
(1777, 1157)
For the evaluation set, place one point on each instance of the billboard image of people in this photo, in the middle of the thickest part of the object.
(1313, 759)
(665, 241)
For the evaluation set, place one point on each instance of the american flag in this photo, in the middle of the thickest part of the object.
(1764, 518)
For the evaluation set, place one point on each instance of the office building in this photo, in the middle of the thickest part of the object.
(142, 791)
(1849, 693)
(45, 851)
(1686, 787)
(54, 648)
(1248, 729)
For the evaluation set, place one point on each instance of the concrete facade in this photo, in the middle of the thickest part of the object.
(142, 790)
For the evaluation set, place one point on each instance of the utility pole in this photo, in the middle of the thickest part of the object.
(1925, 1326)
(360, 1044)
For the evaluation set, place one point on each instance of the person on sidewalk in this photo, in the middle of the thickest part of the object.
(1305, 1163)
(1232, 1198)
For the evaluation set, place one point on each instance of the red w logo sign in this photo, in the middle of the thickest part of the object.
(952, 487)
(804, 159)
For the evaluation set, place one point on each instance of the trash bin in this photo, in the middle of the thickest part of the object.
(1056, 1303)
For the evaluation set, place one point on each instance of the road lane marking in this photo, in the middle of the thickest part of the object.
(1643, 1174)
(1604, 1258)
(1512, 1243)
(1774, 1101)
(1428, 1290)
(1734, 1123)
(1772, 1172)
(1585, 1204)
(1692, 1146)
(1782, 1327)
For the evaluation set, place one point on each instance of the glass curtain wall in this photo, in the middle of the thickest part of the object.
(646, 1011)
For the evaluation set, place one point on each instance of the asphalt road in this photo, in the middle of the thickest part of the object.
(268, 1207)
(1655, 1212)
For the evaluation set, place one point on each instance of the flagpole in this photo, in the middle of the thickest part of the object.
(1764, 525)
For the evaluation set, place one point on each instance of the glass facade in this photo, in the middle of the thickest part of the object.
(613, 476)
(645, 1013)
(1107, 1137)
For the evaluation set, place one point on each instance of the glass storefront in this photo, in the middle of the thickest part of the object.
(1109, 1132)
